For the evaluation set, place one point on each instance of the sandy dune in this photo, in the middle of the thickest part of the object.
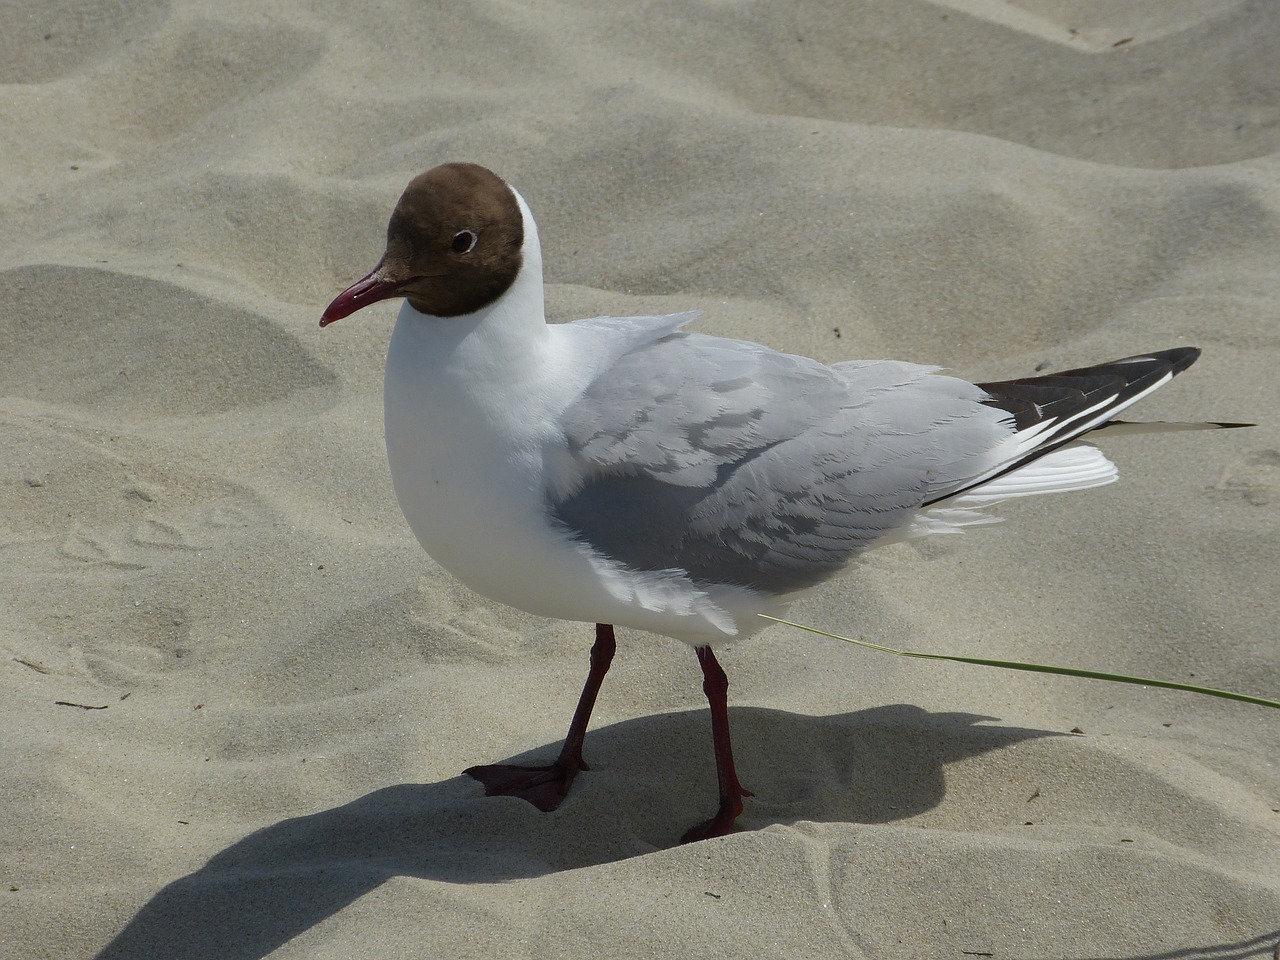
(238, 696)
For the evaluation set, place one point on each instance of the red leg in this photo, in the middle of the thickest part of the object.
(545, 787)
(716, 686)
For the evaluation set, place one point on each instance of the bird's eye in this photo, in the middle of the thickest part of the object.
(464, 241)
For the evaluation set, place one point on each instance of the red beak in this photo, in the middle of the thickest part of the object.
(359, 295)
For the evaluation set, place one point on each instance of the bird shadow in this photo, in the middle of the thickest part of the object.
(1253, 948)
(651, 778)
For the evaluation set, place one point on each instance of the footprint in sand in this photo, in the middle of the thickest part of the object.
(72, 495)
(1254, 477)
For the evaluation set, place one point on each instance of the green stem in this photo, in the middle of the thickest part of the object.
(1041, 668)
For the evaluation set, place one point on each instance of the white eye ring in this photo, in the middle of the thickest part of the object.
(464, 241)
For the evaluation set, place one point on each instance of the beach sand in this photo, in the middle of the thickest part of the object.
(238, 696)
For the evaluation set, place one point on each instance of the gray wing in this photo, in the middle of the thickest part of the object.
(741, 465)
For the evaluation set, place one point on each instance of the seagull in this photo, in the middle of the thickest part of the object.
(626, 471)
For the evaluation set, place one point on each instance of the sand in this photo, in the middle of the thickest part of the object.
(238, 696)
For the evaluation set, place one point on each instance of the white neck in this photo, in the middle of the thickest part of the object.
(466, 418)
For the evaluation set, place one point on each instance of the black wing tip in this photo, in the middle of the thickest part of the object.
(1174, 361)
(1061, 394)
(1178, 359)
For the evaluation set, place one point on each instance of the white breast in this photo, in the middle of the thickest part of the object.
(467, 437)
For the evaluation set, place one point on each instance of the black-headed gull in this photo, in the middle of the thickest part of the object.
(623, 471)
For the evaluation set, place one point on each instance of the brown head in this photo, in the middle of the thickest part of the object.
(453, 246)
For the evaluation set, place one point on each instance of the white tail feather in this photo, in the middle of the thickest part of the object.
(1078, 466)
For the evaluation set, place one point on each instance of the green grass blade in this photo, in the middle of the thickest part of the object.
(1041, 668)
